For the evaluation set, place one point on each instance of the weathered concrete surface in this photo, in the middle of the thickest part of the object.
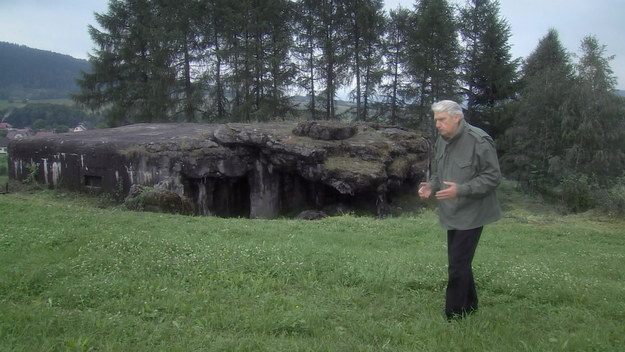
(251, 170)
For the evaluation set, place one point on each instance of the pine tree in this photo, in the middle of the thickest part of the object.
(258, 41)
(306, 51)
(278, 19)
(594, 133)
(365, 29)
(213, 33)
(534, 141)
(332, 41)
(489, 73)
(395, 87)
(132, 69)
(183, 36)
(434, 54)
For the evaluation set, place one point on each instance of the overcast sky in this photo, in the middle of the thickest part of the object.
(530, 20)
(61, 25)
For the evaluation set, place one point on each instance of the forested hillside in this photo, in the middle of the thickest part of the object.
(27, 73)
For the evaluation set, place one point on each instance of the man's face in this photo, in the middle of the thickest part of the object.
(447, 125)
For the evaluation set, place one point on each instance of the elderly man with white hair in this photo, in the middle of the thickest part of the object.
(464, 175)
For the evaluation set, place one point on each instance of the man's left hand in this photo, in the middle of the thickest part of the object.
(449, 192)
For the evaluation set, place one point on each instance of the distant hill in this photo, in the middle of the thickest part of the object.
(27, 73)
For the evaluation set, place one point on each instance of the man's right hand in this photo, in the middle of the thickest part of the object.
(425, 190)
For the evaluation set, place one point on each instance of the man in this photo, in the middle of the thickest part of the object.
(464, 175)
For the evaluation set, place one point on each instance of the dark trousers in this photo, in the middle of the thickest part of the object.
(461, 296)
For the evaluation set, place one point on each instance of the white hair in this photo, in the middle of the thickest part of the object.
(448, 106)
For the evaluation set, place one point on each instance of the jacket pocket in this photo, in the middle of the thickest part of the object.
(462, 170)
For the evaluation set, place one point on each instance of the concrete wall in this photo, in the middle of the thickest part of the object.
(241, 170)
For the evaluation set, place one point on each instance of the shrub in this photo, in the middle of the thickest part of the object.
(136, 197)
(33, 170)
(576, 192)
(611, 201)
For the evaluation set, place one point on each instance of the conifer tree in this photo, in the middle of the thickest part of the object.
(395, 86)
(211, 31)
(365, 30)
(332, 40)
(488, 71)
(434, 54)
(534, 141)
(280, 70)
(258, 35)
(132, 70)
(182, 34)
(594, 132)
(306, 52)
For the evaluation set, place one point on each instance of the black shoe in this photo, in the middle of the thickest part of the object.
(451, 315)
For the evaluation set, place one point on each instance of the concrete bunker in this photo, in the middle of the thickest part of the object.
(242, 170)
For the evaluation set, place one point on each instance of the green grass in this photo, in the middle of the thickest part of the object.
(78, 277)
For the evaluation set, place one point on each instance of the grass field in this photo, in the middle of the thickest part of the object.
(76, 276)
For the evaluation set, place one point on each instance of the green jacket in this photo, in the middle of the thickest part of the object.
(468, 159)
